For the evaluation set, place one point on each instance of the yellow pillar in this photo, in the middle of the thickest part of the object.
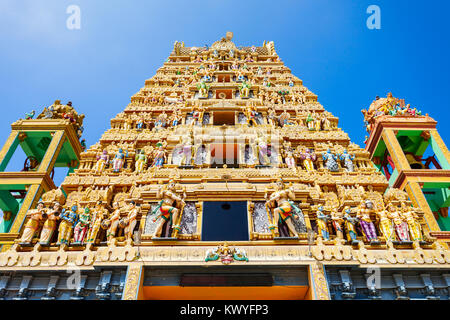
(52, 152)
(7, 147)
(134, 281)
(318, 282)
(395, 150)
(418, 198)
(33, 195)
(441, 144)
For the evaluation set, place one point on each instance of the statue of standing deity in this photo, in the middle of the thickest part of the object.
(100, 214)
(263, 150)
(337, 221)
(330, 161)
(140, 162)
(112, 223)
(119, 161)
(368, 228)
(169, 209)
(82, 226)
(186, 142)
(32, 226)
(251, 114)
(400, 226)
(69, 219)
(289, 158)
(203, 90)
(160, 156)
(310, 121)
(50, 224)
(244, 89)
(348, 161)
(385, 225)
(322, 223)
(350, 225)
(412, 219)
(102, 161)
(129, 223)
(308, 157)
(281, 200)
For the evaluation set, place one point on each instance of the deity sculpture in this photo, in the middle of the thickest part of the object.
(112, 223)
(32, 226)
(322, 223)
(308, 157)
(160, 121)
(284, 119)
(272, 116)
(337, 221)
(186, 142)
(310, 121)
(368, 228)
(102, 161)
(50, 224)
(326, 124)
(119, 161)
(244, 90)
(100, 213)
(412, 219)
(350, 225)
(203, 90)
(281, 200)
(263, 150)
(129, 223)
(175, 118)
(160, 156)
(171, 205)
(385, 225)
(68, 219)
(82, 226)
(289, 159)
(140, 162)
(400, 226)
(330, 161)
(251, 114)
(348, 161)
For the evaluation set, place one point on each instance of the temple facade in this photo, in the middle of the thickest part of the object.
(225, 178)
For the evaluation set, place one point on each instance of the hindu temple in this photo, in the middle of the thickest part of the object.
(225, 178)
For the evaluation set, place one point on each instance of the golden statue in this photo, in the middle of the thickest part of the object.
(32, 226)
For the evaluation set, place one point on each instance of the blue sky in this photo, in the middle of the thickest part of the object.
(122, 43)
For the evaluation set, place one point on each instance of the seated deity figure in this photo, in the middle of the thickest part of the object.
(350, 225)
(160, 121)
(160, 156)
(400, 226)
(263, 150)
(140, 162)
(244, 89)
(284, 209)
(330, 161)
(129, 222)
(239, 76)
(169, 209)
(412, 219)
(119, 160)
(322, 223)
(50, 224)
(308, 157)
(68, 219)
(385, 225)
(175, 119)
(363, 214)
(32, 226)
(102, 162)
(82, 226)
(248, 58)
(203, 90)
(140, 123)
(284, 119)
(348, 161)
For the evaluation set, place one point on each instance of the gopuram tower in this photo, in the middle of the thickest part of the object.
(224, 178)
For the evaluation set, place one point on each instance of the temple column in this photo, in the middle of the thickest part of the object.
(52, 152)
(395, 150)
(318, 282)
(133, 283)
(8, 149)
(30, 201)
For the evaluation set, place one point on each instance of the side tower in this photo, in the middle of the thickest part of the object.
(406, 146)
(51, 140)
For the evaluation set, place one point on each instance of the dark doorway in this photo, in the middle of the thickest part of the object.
(225, 221)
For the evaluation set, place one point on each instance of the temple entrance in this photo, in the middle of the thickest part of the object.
(225, 221)
(226, 283)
